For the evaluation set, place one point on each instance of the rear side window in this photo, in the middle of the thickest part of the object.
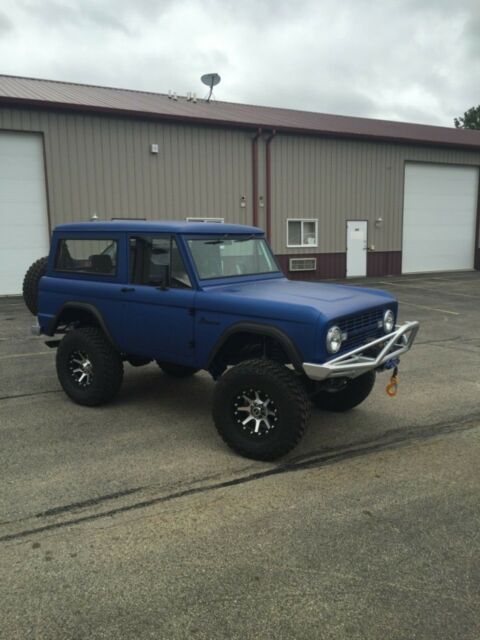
(96, 257)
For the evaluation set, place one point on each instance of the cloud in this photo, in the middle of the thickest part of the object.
(414, 60)
(5, 23)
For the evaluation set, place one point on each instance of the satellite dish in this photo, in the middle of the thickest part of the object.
(211, 80)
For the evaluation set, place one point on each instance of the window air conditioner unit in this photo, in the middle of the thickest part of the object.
(302, 264)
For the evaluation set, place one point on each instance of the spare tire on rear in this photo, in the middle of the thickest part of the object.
(30, 284)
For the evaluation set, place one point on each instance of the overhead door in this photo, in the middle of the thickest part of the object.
(23, 207)
(439, 217)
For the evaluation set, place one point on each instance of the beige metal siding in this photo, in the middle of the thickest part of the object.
(339, 180)
(103, 165)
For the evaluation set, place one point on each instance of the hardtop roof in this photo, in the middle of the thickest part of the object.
(157, 226)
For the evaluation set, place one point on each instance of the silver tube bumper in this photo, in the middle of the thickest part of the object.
(355, 362)
(35, 329)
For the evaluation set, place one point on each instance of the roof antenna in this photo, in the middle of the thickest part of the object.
(211, 80)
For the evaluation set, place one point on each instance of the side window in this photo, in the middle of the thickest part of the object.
(156, 261)
(96, 257)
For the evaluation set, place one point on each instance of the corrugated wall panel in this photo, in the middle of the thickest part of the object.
(335, 180)
(103, 165)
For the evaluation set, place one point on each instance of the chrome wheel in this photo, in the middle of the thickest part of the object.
(80, 368)
(255, 412)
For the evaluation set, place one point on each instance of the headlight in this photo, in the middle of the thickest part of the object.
(388, 321)
(334, 339)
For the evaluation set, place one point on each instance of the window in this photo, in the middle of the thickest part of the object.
(301, 233)
(222, 257)
(205, 219)
(156, 261)
(93, 256)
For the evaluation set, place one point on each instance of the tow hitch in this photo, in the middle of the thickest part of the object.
(392, 386)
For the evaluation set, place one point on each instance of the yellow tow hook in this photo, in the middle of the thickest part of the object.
(392, 386)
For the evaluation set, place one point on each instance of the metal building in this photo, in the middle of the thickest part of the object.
(337, 195)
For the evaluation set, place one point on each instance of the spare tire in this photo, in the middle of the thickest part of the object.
(30, 284)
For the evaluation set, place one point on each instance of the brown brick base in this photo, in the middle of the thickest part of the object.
(329, 265)
(334, 265)
(384, 263)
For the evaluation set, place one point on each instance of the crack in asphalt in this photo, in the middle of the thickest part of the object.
(315, 459)
(91, 502)
(28, 395)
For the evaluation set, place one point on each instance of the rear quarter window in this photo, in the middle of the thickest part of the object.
(93, 256)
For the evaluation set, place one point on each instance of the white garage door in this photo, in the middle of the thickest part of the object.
(439, 217)
(23, 207)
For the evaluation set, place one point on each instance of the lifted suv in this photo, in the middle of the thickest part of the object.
(197, 296)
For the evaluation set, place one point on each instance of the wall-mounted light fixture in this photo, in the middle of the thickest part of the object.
(243, 201)
(154, 148)
(378, 222)
(261, 202)
(94, 217)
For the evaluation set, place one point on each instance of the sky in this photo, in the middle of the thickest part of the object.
(409, 60)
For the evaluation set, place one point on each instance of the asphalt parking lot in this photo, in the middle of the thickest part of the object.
(135, 521)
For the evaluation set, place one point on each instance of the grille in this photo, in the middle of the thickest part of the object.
(361, 328)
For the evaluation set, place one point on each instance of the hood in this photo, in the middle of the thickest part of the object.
(328, 300)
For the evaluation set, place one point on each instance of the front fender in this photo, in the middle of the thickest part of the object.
(259, 329)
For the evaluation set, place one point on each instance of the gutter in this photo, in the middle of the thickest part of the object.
(268, 184)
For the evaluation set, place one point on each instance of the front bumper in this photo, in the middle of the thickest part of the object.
(36, 329)
(356, 362)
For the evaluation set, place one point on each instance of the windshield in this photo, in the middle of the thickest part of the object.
(217, 257)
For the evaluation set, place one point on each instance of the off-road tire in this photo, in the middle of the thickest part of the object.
(136, 361)
(286, 394)
(176, 370)
(351, 395)
(107, 366)
(30, 284)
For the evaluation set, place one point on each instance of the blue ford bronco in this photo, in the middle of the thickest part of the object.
(194, 296)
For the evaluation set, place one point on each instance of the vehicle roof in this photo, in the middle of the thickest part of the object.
(158, 226)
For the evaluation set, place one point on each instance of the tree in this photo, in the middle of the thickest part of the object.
(470, 119)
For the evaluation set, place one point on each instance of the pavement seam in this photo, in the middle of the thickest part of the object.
(388, 441)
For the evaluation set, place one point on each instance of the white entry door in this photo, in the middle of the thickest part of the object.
(357, 247)
(23, 207)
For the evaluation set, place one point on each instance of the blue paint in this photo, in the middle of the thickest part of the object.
(184, 325)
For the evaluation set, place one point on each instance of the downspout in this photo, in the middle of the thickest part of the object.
(255, 175)
(268, 185)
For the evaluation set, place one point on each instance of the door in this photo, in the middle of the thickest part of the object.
(24, 235)
(439, 217)
(158, 302)
(356, 248)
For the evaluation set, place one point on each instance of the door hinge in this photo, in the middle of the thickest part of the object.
(191, 344)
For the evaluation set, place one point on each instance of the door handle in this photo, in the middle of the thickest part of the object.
(127, 289)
